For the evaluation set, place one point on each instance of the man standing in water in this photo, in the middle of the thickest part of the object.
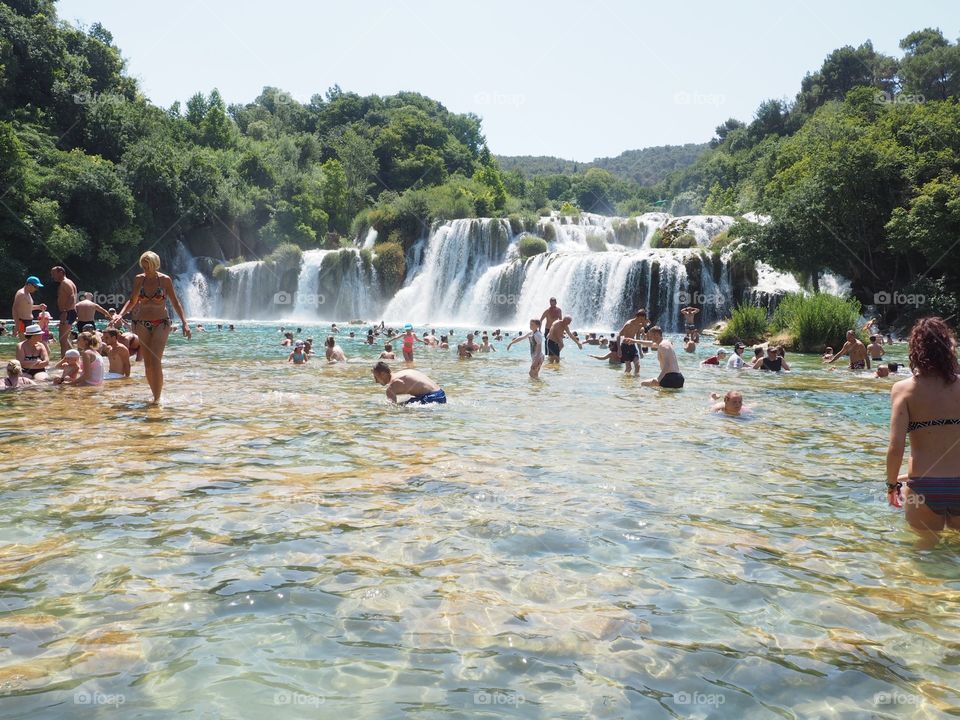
(23, 305)
(87, 311)
(670, 376)
(551, 315)
(859, 358)
(421, 388)
(689, 315)
(66, 305)
(630, 352)
(555, 338)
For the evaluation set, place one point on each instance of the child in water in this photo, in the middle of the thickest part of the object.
(299, 354)
(536, 347)
(71, 367)
(387, 353)
(409, 338)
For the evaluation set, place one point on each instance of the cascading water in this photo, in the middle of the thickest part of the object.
(196, 293)
(469, 271)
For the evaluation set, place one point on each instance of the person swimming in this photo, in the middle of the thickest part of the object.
(422, 389)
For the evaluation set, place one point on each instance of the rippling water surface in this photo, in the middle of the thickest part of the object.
(277, 541)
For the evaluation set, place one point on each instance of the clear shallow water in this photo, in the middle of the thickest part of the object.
(278, 542)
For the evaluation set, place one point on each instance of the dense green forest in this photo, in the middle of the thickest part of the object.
(858, 174)
(646, 167)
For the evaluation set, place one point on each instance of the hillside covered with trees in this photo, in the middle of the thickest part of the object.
(859, 174)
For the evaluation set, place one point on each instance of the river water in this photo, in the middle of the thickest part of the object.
(277, 541)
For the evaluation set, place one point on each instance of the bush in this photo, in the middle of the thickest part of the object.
(596, 242)
(748, 324)
(530, 245)
(285, 255)
(391, 266)
(569, 209)
(823, 319)
(814, 321)
(549, 232)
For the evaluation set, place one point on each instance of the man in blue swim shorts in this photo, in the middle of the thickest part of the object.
(422, 389)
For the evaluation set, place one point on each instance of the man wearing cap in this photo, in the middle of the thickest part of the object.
(87, 311)
(66, 305)
(23, 305)
(736, 360)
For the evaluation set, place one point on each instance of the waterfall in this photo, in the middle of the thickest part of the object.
(457, 255)
(196, 293)
(470, 272)
(307, 299)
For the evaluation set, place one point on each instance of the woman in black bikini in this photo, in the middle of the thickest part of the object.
(151, 290)
(927, 407)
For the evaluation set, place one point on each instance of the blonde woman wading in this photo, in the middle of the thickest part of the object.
(151, 291)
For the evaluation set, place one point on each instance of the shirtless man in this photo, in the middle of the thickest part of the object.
(875, 349)
(555, 338)
(732, 404)
(116, 353)
(689, 315)
(859, 358)
(66, 305)
(23, 305)
(670, 376)
(470, 345)
(421, 388)
(87, 311)
(629, 352)
(551, 315)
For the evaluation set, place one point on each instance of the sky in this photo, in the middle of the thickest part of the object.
(571, 79)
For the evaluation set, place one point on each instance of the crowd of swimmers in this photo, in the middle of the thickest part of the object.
(925, 406)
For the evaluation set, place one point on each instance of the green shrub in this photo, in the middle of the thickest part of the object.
(748, 324)
(814, 321)
(530, 245)
(549, 232)
(783, 316)
(391, 266)
(596, 242)
(285, 255)
(569, 209)
(823, 319)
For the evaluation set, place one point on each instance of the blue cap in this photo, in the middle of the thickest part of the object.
(408, 326)
(34, 280)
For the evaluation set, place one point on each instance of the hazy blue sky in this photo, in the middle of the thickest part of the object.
(577, 80)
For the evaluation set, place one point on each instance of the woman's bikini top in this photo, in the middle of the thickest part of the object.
(159, 296)
(932, 423)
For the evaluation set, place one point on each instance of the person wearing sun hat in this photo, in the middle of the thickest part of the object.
(23, 305)
(409, 338)
(33, 354)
